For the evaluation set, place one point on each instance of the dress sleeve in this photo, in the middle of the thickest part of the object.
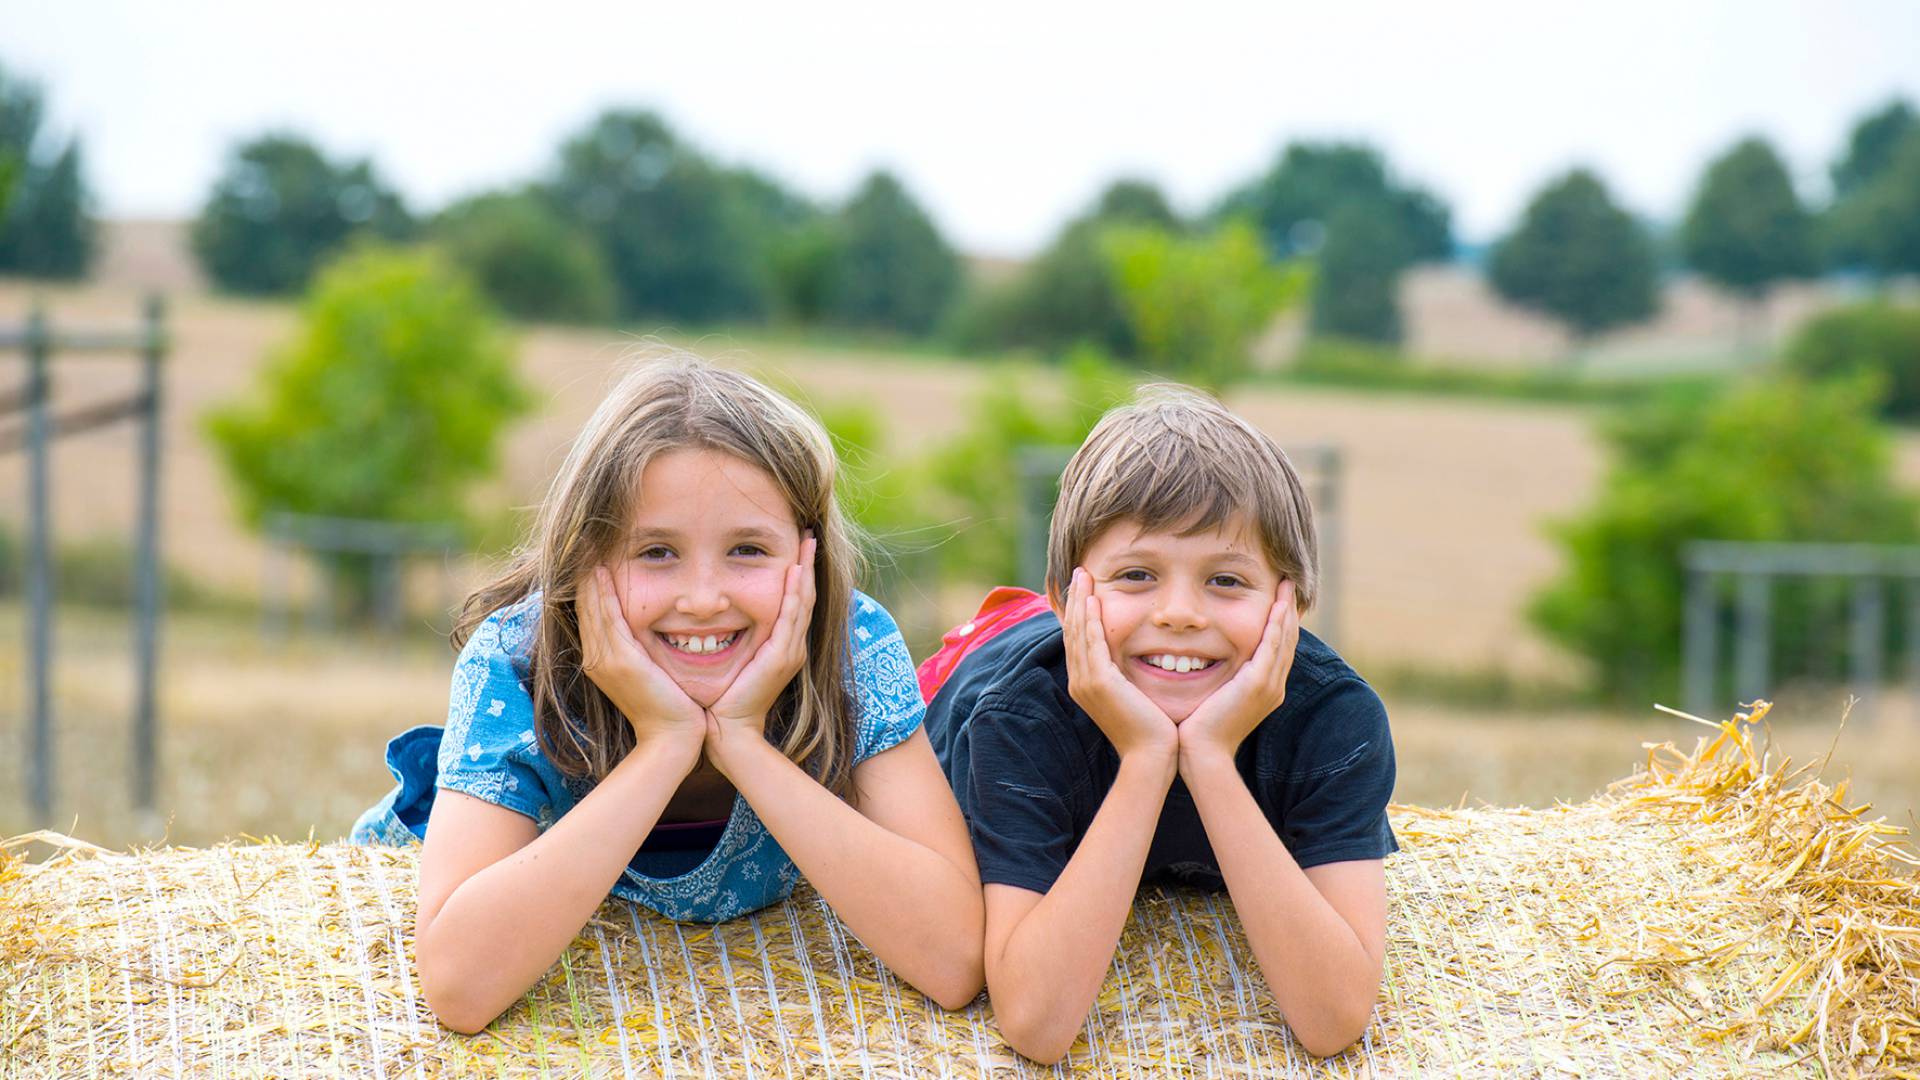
(886, 691)
(490, 726)
(1332, 800)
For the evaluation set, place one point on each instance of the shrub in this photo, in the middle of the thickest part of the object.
(388, 403)
(529, 260)
(1782, 461)
(46, 228)
(1196, 303)
(1877, 339)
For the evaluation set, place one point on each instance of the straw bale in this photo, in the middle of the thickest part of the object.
(1717, 913)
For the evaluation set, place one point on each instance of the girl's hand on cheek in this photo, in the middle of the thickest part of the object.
(1129, 719)
(743, 708)
(1229, 715)
(652, 702)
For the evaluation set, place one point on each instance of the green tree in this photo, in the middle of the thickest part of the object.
(1579, 258)
(1067, 295)
(1877, 340)
(1779, 462)
(1746, 229)
(1196, 303)
(279, 209)
(1871, 145)
(530, 261)
(677, 231)
(1294, 201)
(1356, 285)
(46, 227)
(388, 404)
(1879, 224)
(893, 269)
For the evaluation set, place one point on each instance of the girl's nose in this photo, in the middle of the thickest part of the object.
(703, 595)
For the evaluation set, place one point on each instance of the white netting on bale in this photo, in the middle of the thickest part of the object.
(1714, 915)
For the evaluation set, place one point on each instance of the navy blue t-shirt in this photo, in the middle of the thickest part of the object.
(1030, 768)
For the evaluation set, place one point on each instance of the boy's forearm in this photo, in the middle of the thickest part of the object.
(918, 912)
(1324, 980)
(1045, 978)
(502, 928)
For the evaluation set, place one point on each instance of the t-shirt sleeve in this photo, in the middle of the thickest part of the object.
(1332, 799)
(490, 727)
(1015, 792)
(885, 688)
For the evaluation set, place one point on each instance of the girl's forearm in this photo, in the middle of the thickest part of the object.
(502, 928)
(1045, 978)
(1323, 978)
(919, 912)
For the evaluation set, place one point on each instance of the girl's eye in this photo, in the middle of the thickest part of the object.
(655, 552)
(748, 549)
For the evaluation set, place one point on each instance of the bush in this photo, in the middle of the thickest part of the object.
(1196, 303)
(1357, 284)
(1878, 340)
(388, 404)
(1782, 462)
(529, 260)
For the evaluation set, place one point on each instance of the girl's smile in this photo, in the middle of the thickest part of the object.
(705, 569)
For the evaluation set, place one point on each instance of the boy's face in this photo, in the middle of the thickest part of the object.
(1171, 601)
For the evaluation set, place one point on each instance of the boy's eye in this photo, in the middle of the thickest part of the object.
(1226, 581)
(1134, 575)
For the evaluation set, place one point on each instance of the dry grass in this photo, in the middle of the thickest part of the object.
(1716, 914)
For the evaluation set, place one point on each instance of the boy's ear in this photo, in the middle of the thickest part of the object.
(1053, 598)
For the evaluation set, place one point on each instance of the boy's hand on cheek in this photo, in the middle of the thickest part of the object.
(1229, 714)
(652, 702)
(744, 706)
(1129, 719)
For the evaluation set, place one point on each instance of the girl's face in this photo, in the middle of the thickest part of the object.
(704, 569)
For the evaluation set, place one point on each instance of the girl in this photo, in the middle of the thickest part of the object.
(675, 694)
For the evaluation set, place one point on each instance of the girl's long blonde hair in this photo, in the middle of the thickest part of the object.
(679, 402)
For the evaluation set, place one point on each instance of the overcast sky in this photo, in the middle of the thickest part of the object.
(1004, 118)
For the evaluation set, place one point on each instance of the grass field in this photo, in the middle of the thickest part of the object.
(285, 739)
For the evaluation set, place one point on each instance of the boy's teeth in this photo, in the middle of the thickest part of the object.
(1179, 664)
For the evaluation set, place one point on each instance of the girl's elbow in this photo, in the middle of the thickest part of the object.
(1334, 1034)
(454, 1011)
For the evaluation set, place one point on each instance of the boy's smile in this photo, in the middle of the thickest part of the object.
(1181, 613)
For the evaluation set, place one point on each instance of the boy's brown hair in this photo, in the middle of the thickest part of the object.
(1175, 460)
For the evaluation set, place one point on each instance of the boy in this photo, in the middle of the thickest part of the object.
(1161, 714)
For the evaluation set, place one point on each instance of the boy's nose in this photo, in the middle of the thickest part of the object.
(1179, 609)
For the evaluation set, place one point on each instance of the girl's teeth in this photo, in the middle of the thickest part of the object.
(697, 644)
(1178, 664)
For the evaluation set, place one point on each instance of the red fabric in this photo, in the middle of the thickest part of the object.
(1003, 608)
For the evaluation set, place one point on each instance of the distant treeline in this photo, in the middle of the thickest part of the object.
(634, 221)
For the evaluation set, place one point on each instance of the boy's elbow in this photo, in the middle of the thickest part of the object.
(1333, 1034)
(1031, 1030)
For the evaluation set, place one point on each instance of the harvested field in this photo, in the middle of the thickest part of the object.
(1716, 913)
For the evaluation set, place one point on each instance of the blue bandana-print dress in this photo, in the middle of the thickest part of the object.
(488, 750)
